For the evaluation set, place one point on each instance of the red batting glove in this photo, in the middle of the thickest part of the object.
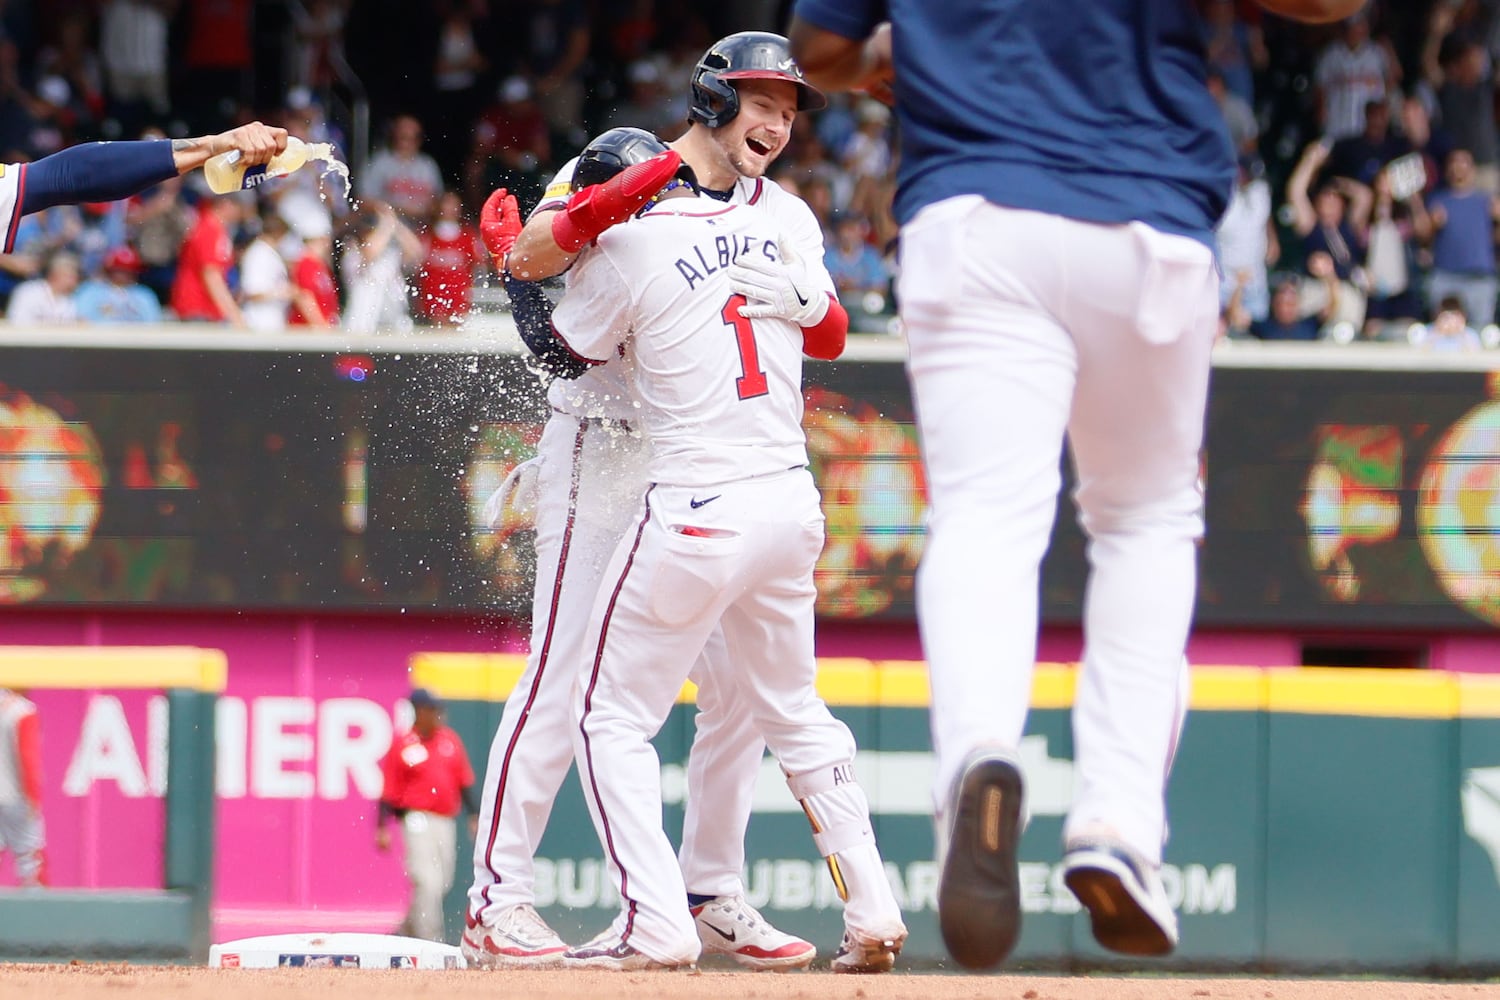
(599, 206)
(500, 224)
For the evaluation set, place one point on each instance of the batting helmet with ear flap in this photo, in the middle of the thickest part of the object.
(611, 152)
(746, 55)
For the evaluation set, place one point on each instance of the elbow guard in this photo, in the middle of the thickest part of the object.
(825, 339)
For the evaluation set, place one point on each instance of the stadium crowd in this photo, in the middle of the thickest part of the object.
(1364, 209)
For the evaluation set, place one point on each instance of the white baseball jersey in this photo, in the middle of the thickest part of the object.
(720, 395)
(15, 711)
(12, 179)
(606, 390)
(590, 478)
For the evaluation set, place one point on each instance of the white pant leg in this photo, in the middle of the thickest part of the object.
(770, 626)
(992, 375)
(589, 483)
(1136, 430)
(25, 835)
(660, 600)
(722, 770)
(431, 847)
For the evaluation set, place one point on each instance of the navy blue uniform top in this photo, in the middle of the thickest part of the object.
(1091, 109)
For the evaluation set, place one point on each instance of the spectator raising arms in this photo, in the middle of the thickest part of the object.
(1328, 235)
(374, 267)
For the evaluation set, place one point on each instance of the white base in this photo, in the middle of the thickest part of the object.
(343, 950)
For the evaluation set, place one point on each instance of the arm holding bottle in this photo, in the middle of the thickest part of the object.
(109, 171)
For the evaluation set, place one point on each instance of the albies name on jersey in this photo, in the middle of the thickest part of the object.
(721, 253)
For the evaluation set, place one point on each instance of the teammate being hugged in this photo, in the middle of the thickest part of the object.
(726, 536)
(1057, 204)
(589, 474)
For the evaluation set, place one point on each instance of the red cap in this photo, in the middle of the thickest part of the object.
(122, 258)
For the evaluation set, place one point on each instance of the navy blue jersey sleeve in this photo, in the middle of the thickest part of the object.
(96, 171)
(532, 311)
(854, 19)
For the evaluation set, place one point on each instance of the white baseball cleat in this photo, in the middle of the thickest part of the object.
(608, 953)
(859, 953)
(1127, 903)
(519, 939)
(727, 925)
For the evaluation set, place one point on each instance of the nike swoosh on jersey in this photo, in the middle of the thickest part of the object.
(695, 503)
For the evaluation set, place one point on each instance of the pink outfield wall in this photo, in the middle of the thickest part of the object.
(308, 712)
(310, 707)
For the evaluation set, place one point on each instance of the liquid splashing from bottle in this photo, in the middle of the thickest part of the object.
(331, 164)
(226, 173)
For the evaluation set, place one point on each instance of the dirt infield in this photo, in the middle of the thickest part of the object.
(78, 982)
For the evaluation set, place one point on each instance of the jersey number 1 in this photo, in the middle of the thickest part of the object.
(752, 382)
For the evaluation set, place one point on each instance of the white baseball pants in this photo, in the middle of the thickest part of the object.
(745, 565)
(590, 481)
(430, 845)
(1024, 327)
(23, 833)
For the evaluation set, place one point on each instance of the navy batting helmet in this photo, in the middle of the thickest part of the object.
(746, 55)
(611, 152)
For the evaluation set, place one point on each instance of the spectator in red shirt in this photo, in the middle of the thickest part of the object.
(427, 779)
(200, 291)
(315, 298)
(447, 274)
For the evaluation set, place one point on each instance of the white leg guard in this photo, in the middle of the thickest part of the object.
(839, 812)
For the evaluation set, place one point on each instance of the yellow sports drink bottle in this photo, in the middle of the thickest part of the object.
(226, 172)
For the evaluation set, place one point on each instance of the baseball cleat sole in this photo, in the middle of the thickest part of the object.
(979, 894)
(1125, 914)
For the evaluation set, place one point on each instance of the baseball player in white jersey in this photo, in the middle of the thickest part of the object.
(724, 541)
(590, 472)
(21, 829)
